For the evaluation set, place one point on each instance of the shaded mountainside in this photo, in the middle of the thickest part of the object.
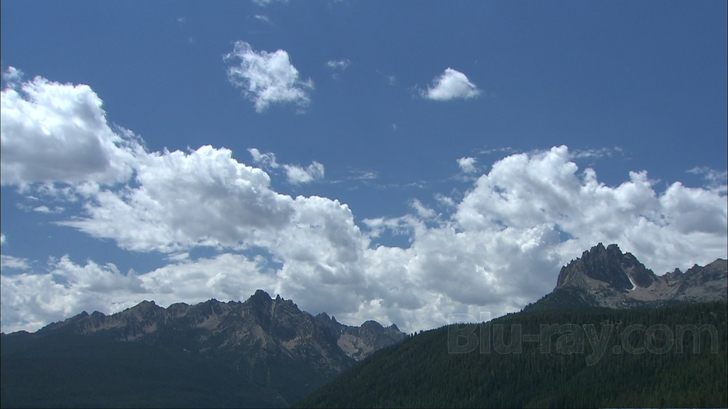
(606, 277)
(261, 352)
(592, 357)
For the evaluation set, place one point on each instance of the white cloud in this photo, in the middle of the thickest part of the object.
(262, 18)
(15, 263)
(451, 84)
(422, 210)
(593, 153)
(718, 179)
(204, 197)
(12, 76)
(267, 160)
(444, 200)
(297, 175)
(267, 78)
(339, 65)
(467, 165)
(500, 250)
(2, 239)
(58, 132)
(264, 3)
(45, 209)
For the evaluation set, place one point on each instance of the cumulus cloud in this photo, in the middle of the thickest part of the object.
(451, 84)
(58, 132)
(467, 165)
(500, 247)
(182, 199)
(267, 78)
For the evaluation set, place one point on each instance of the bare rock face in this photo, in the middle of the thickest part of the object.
(606, 277)
(360, 342)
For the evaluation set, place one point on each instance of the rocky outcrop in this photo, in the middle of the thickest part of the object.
(360, 342)
(606, 277)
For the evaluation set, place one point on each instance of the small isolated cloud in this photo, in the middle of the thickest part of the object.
(297, 175)
(2, 239)
(451, 84)
(467, 165)
(45, 209)
(593, 153)
(339, 65)
(264, 3)
(506, 150)
(267, 78)
(262, 18)
(444, 200)
(363, 175)
(266, 160)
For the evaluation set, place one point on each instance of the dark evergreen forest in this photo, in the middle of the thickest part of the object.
(643, 363)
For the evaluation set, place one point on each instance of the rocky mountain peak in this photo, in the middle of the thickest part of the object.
(606, 277)
(620, 271)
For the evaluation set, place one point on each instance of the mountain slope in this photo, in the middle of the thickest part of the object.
(485, 365)
(267, 352)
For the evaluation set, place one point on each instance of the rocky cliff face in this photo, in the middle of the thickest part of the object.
(606, 277)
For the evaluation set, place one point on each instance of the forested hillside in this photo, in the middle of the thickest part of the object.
(592, 357)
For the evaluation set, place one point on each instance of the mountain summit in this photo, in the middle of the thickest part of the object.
(606, 277)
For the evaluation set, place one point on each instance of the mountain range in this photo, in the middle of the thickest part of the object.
(274, 352)
(266, 352)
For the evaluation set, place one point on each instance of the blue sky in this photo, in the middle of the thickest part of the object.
(371, 159)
